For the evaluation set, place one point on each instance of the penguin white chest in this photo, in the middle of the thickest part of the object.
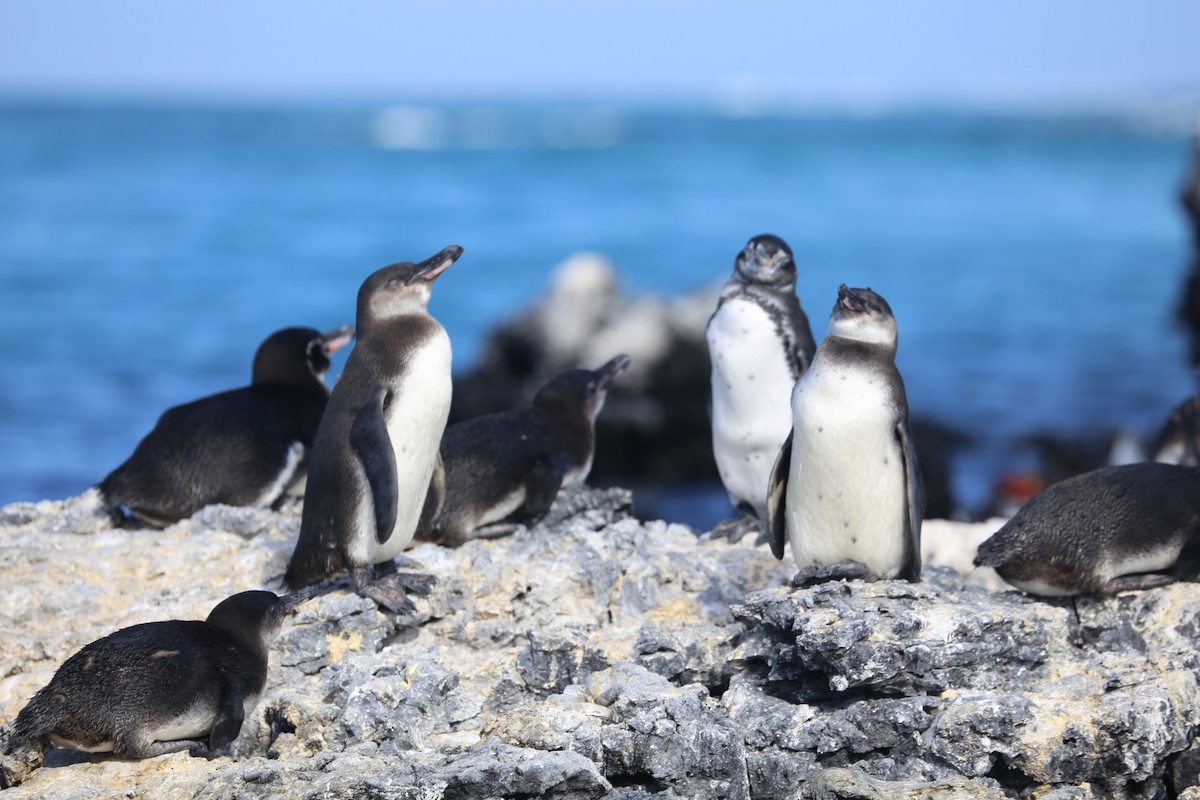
(847, 494)
(415, 420)
(751, 392)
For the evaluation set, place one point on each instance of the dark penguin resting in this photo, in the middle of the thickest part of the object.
(162, 687)
(1179, 440)
(846, 492)
(245, 447)
(375, 458)
(760, 343)
(513, 463)
(1117, 528)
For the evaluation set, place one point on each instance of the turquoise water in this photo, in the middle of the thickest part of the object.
(1032, 262)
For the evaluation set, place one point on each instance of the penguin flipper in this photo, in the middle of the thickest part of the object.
(371, 443)
(228, 723)
(542, 485)
(777, 498)
(914, 504)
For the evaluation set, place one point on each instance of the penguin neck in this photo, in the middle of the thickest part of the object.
(570, 413)
(846, 344)
(295, 377)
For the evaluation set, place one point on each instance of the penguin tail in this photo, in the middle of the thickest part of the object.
(39, 717)
(990, 553)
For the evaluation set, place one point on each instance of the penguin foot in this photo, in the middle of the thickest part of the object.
(389, 596)
(734, 530)
(1138, 581)
(841, 571)
(496, 530)
(155, 749)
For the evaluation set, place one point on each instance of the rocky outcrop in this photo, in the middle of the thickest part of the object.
(594, 655)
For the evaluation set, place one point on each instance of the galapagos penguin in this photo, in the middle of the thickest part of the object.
(162, 687)
(846, 491)
(375, 457)
(245, 447)
(759, 343)
(499, 465)
(1105, 531)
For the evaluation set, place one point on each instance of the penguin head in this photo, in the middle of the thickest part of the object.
(766, 259)
(323, 345)
(864, 316)
(402, 288)
(255, 617)
(580, 388)
(295, 356)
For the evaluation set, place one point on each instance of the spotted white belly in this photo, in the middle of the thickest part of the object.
(751, 388)
(415, 421)
(846, 494)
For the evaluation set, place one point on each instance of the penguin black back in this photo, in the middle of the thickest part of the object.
(514, 462)
(242, 447)
(1101, 532)
(160, 687)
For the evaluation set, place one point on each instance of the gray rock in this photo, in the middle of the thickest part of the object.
(594, 655)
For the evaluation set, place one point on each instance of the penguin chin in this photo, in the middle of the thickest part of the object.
(401, 300)
(863, 328)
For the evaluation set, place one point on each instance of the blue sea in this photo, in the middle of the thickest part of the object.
(1033, 260)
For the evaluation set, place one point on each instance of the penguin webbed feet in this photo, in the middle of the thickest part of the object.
(736, 529)
(1137, 582)
(389, 587)
(839, 571)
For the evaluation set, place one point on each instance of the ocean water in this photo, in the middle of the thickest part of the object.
(1033, 261)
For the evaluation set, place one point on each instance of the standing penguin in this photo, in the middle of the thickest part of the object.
(516, 461)
(161, 687)
(846, 486)
(1105, 531)
(760, 343)
(244, 447)
(375, 458)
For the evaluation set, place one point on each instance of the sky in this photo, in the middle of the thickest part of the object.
(829, 51)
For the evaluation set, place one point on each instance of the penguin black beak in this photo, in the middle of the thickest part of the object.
(290, 602)
(336, 339)
(609, 372)
(430, 268)
(849, 299)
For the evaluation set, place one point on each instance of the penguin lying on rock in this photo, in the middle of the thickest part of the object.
(162, 687)
(245, 447)
(846, 491)
(514, 462)
(375, 457)
(1109, 530)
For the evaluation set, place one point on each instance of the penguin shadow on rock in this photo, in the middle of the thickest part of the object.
(846, 492)
(760, 343)
(244, 447)
(510, 465)
(375, 475)
(1110, 530)
(161, 687)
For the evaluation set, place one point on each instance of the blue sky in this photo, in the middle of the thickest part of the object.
(914, 49)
